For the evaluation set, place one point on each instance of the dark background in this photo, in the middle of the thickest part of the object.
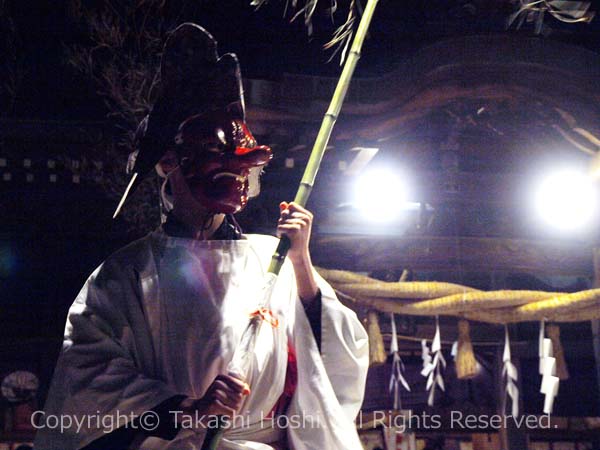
(52, 235)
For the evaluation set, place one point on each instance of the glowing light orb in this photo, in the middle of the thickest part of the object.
(380, 195)
(566, 200)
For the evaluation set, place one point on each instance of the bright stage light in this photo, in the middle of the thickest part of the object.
(380, 195)
(566, 200)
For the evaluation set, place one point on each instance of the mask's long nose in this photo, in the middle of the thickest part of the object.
(255, 156)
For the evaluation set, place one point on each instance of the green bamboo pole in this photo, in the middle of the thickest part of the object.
(214, 435)
(318, 150)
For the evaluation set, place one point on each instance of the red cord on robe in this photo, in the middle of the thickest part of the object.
(289, 387)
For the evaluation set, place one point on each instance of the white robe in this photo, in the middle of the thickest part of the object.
(162, 317)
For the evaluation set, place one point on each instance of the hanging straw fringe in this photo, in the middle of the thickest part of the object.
(377, 354)
(466, 365)
(553, 332)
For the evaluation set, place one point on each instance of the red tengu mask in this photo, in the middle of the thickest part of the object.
(199, 114)
(218, 154)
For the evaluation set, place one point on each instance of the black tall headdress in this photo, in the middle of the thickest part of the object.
(194, 80)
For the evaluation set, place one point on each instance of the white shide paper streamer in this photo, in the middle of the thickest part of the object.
(432, 366)
(550, 381)
(510, 374)
(397, 376)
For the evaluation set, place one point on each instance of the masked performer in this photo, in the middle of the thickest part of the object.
(149, 338)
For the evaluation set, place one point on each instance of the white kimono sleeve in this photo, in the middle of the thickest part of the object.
(331, 383)
(104, 377)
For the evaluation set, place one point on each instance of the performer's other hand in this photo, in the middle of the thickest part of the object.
(296, 223)
(223, 397)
